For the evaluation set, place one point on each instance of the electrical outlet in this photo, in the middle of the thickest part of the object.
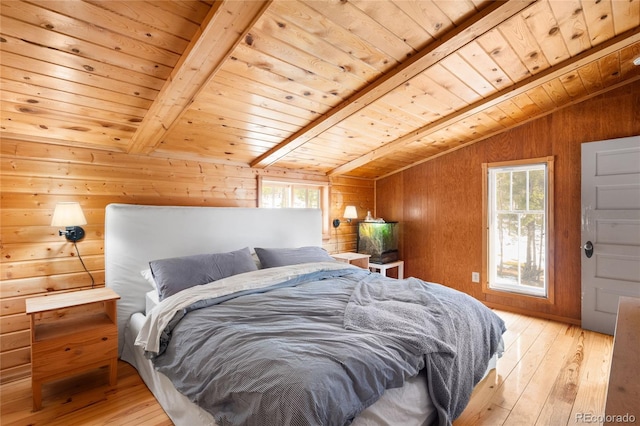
(475, 277)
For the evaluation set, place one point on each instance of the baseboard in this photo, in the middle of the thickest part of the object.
(552, 317)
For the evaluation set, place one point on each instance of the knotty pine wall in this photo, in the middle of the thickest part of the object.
(439, 202)
(35, 176)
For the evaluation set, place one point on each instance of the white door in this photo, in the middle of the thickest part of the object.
(610, 229)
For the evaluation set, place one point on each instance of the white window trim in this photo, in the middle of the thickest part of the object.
(324, 196)
(504, 291)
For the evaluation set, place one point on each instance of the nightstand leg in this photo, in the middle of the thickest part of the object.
(36, 389)
(113, 372)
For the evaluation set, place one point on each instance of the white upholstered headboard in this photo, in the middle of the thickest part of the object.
(135, 235)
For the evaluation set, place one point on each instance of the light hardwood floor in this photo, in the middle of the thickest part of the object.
(550, 374)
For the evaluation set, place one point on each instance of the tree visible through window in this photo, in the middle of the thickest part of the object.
(283, 195)
(517, 207)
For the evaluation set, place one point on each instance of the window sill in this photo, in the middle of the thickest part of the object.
(510, 295)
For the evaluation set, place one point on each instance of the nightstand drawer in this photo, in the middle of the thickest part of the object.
(77, 350)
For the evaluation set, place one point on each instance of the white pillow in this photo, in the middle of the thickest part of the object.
(146, 273)
(151, 300)
(256, 259)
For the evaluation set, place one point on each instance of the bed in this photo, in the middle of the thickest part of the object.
(302, 341)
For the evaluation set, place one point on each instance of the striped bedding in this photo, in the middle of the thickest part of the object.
(301, 346)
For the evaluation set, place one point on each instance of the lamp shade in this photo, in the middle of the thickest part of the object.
(350, 212)
(68, 214)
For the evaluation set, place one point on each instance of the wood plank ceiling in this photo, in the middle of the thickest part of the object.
(343, 87)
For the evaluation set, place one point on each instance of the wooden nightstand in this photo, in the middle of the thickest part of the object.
(357, 259)
(71, 333)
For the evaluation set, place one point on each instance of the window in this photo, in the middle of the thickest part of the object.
(518, 197)
(282, 195)
(285, 193)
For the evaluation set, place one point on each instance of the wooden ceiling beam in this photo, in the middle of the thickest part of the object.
(570, 65)
(592, 95)
(224, 27)
(480, 23)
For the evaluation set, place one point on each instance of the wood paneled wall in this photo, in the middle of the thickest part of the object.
(439, 202)
(36, 260)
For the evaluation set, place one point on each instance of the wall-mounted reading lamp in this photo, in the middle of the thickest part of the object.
(350, 212)
(71, 217)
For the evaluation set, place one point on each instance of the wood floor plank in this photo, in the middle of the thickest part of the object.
(554, 370)
(515, 329)
(532, 347)
(591, 395)
(561, 397)
(81, 400)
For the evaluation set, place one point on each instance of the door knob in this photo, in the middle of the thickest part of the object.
(588, 249)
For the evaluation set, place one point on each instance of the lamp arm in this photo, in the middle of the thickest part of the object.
(72, 233)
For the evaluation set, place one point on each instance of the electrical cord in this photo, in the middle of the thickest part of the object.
(83, 265)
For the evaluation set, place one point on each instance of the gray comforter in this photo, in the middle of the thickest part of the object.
(319, 349)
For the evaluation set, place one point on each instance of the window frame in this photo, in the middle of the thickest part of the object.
(549, 213)
(324, 196)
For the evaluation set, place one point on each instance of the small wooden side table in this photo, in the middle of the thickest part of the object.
(382, 267)
(357, 259)
(71, 333)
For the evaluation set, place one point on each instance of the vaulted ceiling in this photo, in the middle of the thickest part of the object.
(343, 87)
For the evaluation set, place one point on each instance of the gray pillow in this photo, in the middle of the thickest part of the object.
(272, 257)
(179, 273)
